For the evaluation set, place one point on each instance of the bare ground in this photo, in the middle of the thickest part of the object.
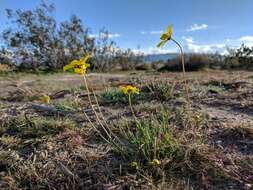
(78, 159)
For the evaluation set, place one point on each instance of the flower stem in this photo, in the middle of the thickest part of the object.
(183, 67)
(130, 104)
(93, 109)
(99, 121)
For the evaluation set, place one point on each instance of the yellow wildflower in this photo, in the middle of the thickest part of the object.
(155, 162)
(134, 165)
(45, 99)
(79, 66)
(129, 89)
(165, 37)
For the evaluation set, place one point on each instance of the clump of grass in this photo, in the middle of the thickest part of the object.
(116, 97)
(146, 140)
(68, 106)
(21, 94)
(8, 141)
(77, 90)
(113, 95)
(158, 137)
(25, 128)
(7, 158)
(162, 90)
(188, 119)
(215, 89)
(169, 144)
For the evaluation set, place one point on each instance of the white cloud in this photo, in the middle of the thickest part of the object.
(206, 48)
(153, 32)
(156, 32)
(93, 35)
(102, 35)
(218, 47)
(247, 40)
(154, 50)
(195, 27)
(116, 35)
(188, 39)
(143, 32)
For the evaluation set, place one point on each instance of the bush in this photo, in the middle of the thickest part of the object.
(216, 61)
(197, 62)
(193, 62)
(143, 67)
(241, 58)
(39, 43)
(5, 68)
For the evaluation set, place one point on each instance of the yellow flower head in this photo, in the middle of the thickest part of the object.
(134, 165)
(79, 66)
(45, 99)
(155, 162)
(129, 89)
(165, 37)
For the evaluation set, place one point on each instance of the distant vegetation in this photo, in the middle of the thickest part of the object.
(35, 41)
(241, 58)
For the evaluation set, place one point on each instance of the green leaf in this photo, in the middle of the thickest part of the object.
(161, 44)
(164, 36)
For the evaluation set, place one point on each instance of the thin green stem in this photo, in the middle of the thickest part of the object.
(93, 109)
(104, 120)
(183, 67)
(130, 104)
(99, 121)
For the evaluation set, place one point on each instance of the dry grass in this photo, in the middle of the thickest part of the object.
(197, 147)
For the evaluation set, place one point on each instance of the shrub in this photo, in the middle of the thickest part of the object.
(216, 61)
(143, 67)
(241, 58)
(37, 42)
(5, 68)
(162, 90)
(193, 62)
(197, 62)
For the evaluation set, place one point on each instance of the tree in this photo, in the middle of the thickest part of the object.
(75, 38)
(241, 58)
(36, 42)
(33, 37)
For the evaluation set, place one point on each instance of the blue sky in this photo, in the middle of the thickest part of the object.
(199, 25)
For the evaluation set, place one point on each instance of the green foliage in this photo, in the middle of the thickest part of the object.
(241, 58)
(68, 105)
(113, 96)
(148, 139)
(40, 127)
(214, 89)
(40, 43)
(162, 90)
